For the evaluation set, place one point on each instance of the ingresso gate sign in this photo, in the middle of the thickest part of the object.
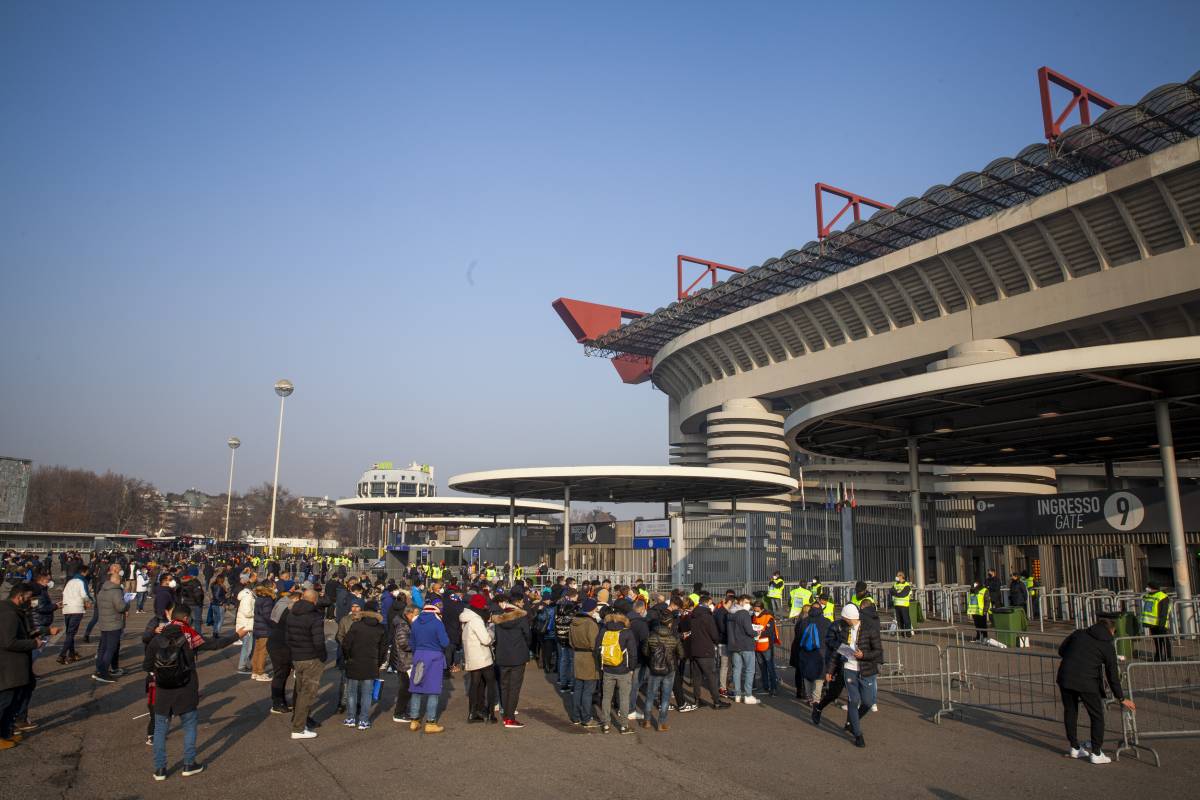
(1121, 511)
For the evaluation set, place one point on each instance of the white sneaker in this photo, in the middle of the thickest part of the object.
(875, 708)
(1078, 752)
(1099, 758)
(635, 715)
(304, 734)
(751, 701)
(737, 699)
(842, 706)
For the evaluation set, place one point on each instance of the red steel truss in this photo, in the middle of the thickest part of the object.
(853, 201)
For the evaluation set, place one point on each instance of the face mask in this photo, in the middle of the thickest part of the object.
(50, 585)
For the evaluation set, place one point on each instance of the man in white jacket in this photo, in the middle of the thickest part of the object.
(75, 600)
(244, 622)
(477, 657)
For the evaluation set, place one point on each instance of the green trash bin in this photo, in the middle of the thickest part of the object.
(1127, 625)
(1010, 625)
(915, 613)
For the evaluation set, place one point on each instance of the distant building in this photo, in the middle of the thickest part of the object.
(385, 480)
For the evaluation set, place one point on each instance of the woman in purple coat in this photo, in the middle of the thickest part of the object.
(429, 642)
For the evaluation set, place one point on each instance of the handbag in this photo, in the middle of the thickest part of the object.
(417, 673)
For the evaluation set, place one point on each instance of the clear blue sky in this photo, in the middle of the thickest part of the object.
(199, 198)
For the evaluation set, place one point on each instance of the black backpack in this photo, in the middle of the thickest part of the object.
(562, 623)
(171, 670)
(660, 657)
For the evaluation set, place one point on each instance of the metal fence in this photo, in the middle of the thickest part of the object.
(741, 551)
(1167, 695)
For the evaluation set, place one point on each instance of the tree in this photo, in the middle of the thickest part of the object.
(80, 501)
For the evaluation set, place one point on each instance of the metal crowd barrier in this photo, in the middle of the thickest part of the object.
(914, 668)
(1167, 694)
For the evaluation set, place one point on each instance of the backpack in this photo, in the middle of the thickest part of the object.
(562, 625)
(660, 658)
(547, 622)
(611, 654)
(170, 667)
(810, 640)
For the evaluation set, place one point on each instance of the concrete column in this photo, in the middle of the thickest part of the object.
(512, 532)
(914, 495)
(746, 434)
(848, 570)
(1179, 559)
(566, 527)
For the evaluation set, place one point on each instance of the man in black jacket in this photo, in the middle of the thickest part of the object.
(305, 637)
(703, 640)
(513, 637)
(1086, 654)
(17, 643)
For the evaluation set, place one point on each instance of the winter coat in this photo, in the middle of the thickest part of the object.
(705, 637)
(16, 647)
(869, 642)
(277, 638)
(42, 608)
(111, 603)
(476, 640)
(513, 637)
(75, 594)
(740, 632)
(429, 633)
(583, 641)
(810, 663)
(640, 627)
(365, 647)
(187, 697)
(244, 620)
(305, 632)
(429, 642)
(1018, 595)
(401, 654)
(264, 604)
(620, 624)
(192, 593)
(164, 598)
(1088, 658)
(663, 637)
(721, 617)
(451, 617)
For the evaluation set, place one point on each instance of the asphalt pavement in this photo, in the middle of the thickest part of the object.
(91, 745)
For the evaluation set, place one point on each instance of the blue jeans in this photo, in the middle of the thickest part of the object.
(861, 695)
(161, 723)
(566, 667)
(766, 670)
(414, 707)
(742, 672)
(659, 690)
(141, 600)
(107, 652)
(247, 651)
(637, 682)
(218, 612)
(581, 700)
(359, 700)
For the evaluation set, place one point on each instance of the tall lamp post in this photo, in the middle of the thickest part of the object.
(234, 444)
(283, 388)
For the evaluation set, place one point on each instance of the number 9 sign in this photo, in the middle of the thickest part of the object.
(1124, 511)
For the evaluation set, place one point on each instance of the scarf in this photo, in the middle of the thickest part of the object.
(193, 637)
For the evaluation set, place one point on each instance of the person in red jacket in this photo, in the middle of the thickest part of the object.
(764, 646)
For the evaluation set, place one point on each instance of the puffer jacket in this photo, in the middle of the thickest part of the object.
(477, 640)
(305, 632)
(245, 610)
(365, 647)
(662, 637)
(401, 657)
(264, 604)
(513, 637)
(1088, 659)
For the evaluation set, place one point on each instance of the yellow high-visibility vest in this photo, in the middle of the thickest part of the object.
(800, 598)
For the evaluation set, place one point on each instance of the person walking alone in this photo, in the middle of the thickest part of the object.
(1088, 660)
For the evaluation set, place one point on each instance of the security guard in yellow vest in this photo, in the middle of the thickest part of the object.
(816, 587)
(978, 605)
(827, 607)
(901, 594)
(490, 573)
(518, 573)
(775, 594)
(1156, 616)
(800, 597)
(1031, 593)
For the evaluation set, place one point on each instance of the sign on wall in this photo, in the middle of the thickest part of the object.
(594, 533)
(1121, 511)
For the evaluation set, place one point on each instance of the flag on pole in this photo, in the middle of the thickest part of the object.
(853, 496)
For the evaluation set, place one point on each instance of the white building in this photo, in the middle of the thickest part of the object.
(385, 480)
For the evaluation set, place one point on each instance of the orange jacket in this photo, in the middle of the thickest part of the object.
(769, 635)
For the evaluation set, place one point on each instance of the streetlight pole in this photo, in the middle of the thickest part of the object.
(234, 444)
(283, 388)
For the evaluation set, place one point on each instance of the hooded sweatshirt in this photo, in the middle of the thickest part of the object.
(1088, 658)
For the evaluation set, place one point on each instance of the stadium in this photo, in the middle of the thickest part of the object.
(1007, 332)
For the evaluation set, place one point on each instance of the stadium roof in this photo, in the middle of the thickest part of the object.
(1165, 116)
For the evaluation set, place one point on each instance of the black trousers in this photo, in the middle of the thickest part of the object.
(1162, 647)
(680, 694)
(483, 685)
(511, 679)
(704, 673)
(281, 660)
(403, 696)
(1095, 709)
(903, 618)
(980, 626)
(833, 690)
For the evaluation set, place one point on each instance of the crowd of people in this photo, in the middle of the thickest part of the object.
(621, 655)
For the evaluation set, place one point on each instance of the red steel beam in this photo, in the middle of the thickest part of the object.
(1081, 97)
(587, 321)
(854, 202)
(710, 269)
